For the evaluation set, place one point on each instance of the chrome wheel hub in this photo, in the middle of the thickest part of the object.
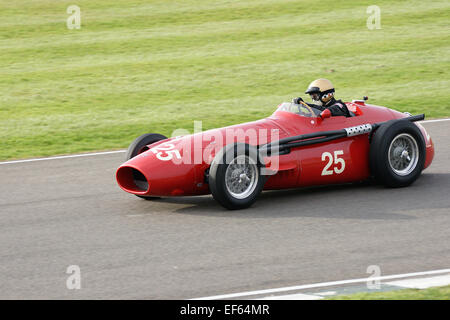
(241, 177)
(403, 154)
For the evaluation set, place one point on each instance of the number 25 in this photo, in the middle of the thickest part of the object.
(166, 151)
(337, 161)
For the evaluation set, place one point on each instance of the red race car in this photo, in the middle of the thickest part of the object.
(297, 146)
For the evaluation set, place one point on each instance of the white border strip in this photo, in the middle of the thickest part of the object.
(64, 157)
(436, 120)
(422, 283)
(319, 285)
(120, 151)
(297, 296)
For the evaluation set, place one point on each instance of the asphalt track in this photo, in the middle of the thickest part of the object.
(70, 211)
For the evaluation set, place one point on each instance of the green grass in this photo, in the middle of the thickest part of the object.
(154, 66)
(437, 293)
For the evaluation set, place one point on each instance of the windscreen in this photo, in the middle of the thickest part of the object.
(300, 109)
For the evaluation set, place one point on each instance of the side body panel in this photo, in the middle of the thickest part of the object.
(338, 161)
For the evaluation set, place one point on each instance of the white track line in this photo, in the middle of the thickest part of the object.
(422, 283)
(437, 120)
(323, 284)
(64, 157)
(121, 151)
(298, 296)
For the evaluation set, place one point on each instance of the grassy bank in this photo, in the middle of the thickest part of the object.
(154, 66)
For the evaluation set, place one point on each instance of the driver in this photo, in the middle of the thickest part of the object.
(321, 92)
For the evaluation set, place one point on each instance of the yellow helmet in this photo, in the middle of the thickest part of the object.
(321, 90)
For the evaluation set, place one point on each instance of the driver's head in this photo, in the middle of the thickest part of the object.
(321, 91)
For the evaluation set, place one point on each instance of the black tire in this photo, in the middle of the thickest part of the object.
(139, 145)
(218, 173)
(387, 156)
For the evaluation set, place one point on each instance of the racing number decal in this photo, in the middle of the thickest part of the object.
(338, 162)
(325, 171)
(166, 152)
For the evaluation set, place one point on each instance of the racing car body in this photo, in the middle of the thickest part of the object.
(297, 146)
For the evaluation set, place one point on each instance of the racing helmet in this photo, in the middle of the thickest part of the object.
(321, 91)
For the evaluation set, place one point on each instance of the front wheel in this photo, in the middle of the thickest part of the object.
(397, 153)
(235, 178)
(139, 145)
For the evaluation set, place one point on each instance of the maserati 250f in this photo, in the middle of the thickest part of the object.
(297, 146)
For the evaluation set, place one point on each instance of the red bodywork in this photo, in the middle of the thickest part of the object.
(303, 166)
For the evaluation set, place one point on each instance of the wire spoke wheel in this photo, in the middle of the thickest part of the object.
(241, 177)
(403, 154)
(397, 153)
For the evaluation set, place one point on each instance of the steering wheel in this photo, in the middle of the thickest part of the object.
(306, 110)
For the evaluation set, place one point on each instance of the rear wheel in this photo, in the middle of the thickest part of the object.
(140, 145)
(397, 153)
(235, 179)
